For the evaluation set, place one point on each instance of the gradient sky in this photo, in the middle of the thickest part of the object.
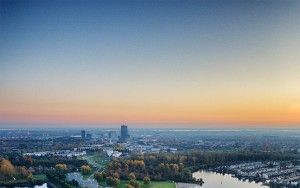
(200, 63)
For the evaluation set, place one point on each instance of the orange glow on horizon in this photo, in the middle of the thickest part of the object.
(225, 114)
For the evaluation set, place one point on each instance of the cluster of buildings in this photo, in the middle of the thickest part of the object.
(111, 135)
(91, 144)
(272, 173)
(62, 153)
(86, 136)
(133, 145)
(136, 148)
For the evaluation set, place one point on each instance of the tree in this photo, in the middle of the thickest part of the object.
(6, 168)
(146, 180)
(134, 183)
(22, 172)
(99, 176)
(30, 178)
(111, 181)
(116, 175)
(119, 147)
(85, 169)
(28, 161)
(128, 186)
(131, 176)
(61, 167)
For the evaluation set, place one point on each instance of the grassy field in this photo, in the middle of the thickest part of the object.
(154, 184)
(97, 160)
(36, 179)
(40, 177)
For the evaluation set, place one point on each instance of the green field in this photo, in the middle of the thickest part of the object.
(153, 184)
(97, 160)
(36, 179)
(39, 177)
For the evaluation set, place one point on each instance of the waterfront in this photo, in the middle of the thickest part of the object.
(213, 180)
(84, 182)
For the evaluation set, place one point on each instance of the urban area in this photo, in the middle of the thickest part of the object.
(147, 157)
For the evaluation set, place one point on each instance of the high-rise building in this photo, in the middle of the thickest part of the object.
(83, 134)
(124, 133)
(88, 136)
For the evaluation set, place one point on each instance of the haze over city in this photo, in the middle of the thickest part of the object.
(159, 63)
(149, 93)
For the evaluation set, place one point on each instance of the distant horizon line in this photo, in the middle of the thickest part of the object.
(11, 125)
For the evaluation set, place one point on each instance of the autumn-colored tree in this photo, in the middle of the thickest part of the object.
(174, 167)
(61, 167)
(85, 169)
(131, 176)
(116, 175)
(22, 172)
(128, 186)
(7, 170)
(134, 183)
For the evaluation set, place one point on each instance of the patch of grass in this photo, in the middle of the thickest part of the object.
(97, 160)
(40, 177)
(36, 179)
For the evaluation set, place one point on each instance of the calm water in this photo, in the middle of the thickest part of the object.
(215, 180)
(36, 186)
(41, 186)
(88, 182)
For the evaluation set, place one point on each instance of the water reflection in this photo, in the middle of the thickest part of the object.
(213, 180)
(41, 186)
(36, 186)
(89, 182)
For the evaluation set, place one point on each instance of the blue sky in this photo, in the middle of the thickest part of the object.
(165, 61)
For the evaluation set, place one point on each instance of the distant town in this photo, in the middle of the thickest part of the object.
(109, 157)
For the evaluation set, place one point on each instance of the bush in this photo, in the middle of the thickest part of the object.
(146, 180)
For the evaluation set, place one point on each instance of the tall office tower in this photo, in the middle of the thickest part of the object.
(88, 136)
(83, 134)
(124, 133)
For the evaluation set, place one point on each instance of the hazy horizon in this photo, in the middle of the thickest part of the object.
(142, 126)
(183, 63)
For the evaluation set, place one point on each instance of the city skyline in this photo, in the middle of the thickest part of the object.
(161, 63)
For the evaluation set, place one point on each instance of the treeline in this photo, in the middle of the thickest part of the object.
(164, 171)
(11, 176)
(58, 178)
(179, 166)
(45, 162)
(9, 172)
(198, 159)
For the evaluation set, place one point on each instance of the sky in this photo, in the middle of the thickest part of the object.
(167, 63)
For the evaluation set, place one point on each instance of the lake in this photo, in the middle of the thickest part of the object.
(88, 182)
(36, 186)
(213, 180)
